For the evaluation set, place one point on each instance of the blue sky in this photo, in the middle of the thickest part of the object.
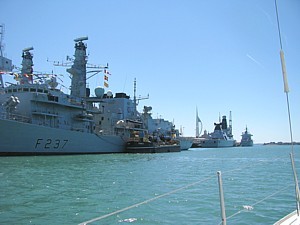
(216, 55)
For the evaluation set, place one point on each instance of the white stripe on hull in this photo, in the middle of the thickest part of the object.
(25, 138)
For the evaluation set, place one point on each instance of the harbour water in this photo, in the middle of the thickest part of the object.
(173, 188)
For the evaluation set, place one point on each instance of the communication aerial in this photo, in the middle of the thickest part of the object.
(5, 63)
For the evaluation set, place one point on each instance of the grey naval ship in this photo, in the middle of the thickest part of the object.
(221, 137)
(246, 140)
(37, 118)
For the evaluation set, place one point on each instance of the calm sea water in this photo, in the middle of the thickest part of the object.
(74, 189)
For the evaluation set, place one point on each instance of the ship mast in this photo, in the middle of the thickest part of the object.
(1, 54)
(27, 66)
(230, 125)
(5, 64)
(78, 69)
(134, 97)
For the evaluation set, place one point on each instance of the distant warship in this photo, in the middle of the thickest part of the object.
(221, 137)
(246, 138)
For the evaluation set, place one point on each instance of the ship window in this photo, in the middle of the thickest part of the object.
(40, 90)
(25, 89)
(32, 90)
(52, 98)
(14, 90)
(8, 90)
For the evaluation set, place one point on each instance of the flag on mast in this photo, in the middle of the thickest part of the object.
(106, 73)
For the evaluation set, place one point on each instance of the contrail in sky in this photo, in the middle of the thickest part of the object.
(254, 60)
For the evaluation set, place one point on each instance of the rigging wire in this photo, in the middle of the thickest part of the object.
(145, 202)
(258, 202)
(285, 81)
(286, 90)
(169, 193)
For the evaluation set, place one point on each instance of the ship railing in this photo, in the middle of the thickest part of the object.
(106, 132)
(16, 117)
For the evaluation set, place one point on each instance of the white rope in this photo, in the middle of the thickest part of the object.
(256, 203)
(174, 191)
(144, 202)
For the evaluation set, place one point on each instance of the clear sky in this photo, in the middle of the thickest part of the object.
(216, 55)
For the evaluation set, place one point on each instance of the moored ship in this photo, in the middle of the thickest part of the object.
(160, 126)
(142, 142)
(37, 118)
(46, 120)
(246, 140)
(221, 137)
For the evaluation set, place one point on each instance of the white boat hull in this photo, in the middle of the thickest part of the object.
(185, 143)
(19, 138)
(217, 143)
(291, 219)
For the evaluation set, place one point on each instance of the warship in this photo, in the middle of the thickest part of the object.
(246, 138)
(49, 121)
(36, 118)
(221, 137)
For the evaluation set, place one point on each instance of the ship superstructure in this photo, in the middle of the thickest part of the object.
(221, 137)
(44, 120)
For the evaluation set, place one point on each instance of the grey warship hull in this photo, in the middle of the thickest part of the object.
(217, 143)
(18, 138)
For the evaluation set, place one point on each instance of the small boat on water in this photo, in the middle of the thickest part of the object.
(160, 126)
(185, 142)
(246, 140)
(142, 143)
(151, 147)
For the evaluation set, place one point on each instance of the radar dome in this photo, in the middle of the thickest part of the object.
(109, 94)
(52, 82)
(99, 92)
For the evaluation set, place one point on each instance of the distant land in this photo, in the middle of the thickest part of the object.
(281, 143)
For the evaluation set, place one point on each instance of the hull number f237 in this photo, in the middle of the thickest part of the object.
(50, 143)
